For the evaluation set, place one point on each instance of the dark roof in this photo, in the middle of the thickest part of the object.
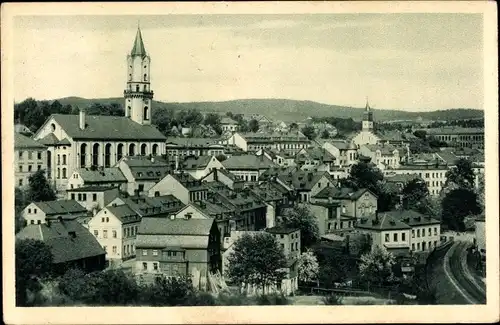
(68, 240)
(264, 137)
(281, 230)
(411, 217)
(381, 222)
(22, 141)
(401, 178)
(124, 213)
(143, 168)
(64, 141)
(92, 188)
(303, 180)
(249, 162)
(227, 120)
(138, 48)
(60, 207)
(104, 175)
(167, 226)
(154, 206)
(339, 144)
(385, 149)
(195, 162)
(316, 154)
(341, 193)
(107, 127)
(188, 181)
(49, 139)
(193, 142)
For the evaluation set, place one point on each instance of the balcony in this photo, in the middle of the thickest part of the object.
(133, 93)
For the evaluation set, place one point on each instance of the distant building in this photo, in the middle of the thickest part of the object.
(385, 154)
(23, 129)
(252, 142)
(228, 125)
(97, 177)
(329, 217)
(158, 206)
(193, 146)
(248, 167)
(199, 167)
(345, 153)
(29, 157)
(230, 180)
(353, 203)
(181, 185)
(71, 245)
(458, 136)
(40, 212)
(93, 198)
(315, 158)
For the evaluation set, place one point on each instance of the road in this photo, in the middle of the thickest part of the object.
(465, 284)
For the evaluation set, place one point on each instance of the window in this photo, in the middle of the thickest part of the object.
(39, 222)
(282, 236)
(38, 167)
(39, 155)
(291, 247)
(114, 249)
(412, 247)
(20, 168)
(29, 210)
(282, 246)
(144, 252)
(429, 232)
(296, 246)
(58, 159)
(169, 253)
(174, 254)
(58, 173)
(386, 238)
(418, 233)
(64, 173)
(80, 198)
(403, 236)
(30, 167)
(84, 197)
(32, 222)
(30, 155)
(418, 246)
(396, 237)
(114, 233)
(94, 197)
(21, 182)
(155, 252)
(105, 234)
(155, 266)
(145, 266)
(105, 248)
(64, 160)
(435, 231)
(72, 196)
(20, 155)
(96, 233)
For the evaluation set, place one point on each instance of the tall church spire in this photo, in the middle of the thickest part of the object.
(138, 48)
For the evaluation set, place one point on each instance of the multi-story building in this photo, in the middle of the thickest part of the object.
(248, 167)
(344, 152)
(181, 185)
(353, 203)
(315, 158)
(329, 217)
(115, 227)
(228, 125)
(252, 142)
(193, 146)
(199, 167)
(458, 136)
(40, 212)
(97, 177)
(425, 231)
(142, 173)
(306, 184)
(79, 141)
(93, 198)
(158, 206)
(230, 180)
(381, 154)
(29, 157)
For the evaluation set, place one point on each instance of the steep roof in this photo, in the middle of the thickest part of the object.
(227, 120)
(381, 222)
(339, 144)
(103, 175)
(281, 230)
(60, 207)
(177, 227)
(192, 142)
(341, 193)
(316, 154)
(412, 218)
(188, 181)
(68, 240)
(195, 162)
(22, 141)
(107, 128)
(49, 139)
(124, 213)
(92, 188)
(143, 168)
(303, 180)
(385, 149)
(401, 178)
(138, 49)
(152, 206)
(250, 162)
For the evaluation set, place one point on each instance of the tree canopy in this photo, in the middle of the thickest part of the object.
(414, 193)
(462, 174)
(253, 125)
(458, 204)
(308, 267)
(299, 216)
(377, 266)
(256, 260)
(309, 132)
(39, 188)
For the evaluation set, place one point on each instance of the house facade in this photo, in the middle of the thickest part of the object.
(39, 212)
(353, 203)
(30, 156)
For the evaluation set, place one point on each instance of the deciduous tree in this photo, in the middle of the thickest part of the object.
(253, 125)
(462, 174)
(458, 204)
(376, 267)
(309, 132)
(308, 267)
(39, 188)
(414, 193)
(299, 216)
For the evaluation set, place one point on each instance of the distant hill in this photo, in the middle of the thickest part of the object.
(292, 110)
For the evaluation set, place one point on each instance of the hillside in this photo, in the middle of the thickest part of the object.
(292, 110)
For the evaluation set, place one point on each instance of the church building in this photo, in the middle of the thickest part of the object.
(81, 141)
(367, 134)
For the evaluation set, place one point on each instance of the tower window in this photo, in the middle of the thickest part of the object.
(145, 77)
(130, 76)
(146, 115)
(145, 87)
(136, 87)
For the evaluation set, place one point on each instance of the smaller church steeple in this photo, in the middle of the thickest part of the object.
(138, 49)
(367, 124)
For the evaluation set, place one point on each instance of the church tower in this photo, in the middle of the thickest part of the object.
(367, 125)
(138, 94)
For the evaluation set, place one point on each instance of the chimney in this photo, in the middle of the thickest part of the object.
(82, 119)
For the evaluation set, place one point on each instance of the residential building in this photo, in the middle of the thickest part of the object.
(329, 217)
(115, 227)
(344, 152)
(228, 125)
(178, 247)
(252, 142)
(281, 158)
(385, 154)
(157, 206)
(181, 185)
(71, 245)
(459, 136)
(93, 198)
(193, 146)
(30, 156)
(83, 141)
(199, 167)
(142, 173)
(248, 167)
(100, 177)
(23, 129)
(307, 184)
(274, 199)
(314, 158)
(230, 180)
(353, 203)
(425, 231)
(40, 212)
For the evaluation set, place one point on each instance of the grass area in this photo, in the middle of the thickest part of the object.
(318, 300)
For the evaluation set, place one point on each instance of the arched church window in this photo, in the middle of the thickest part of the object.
(130, 76)
(146, 113)
(145, 77)
(136, 87)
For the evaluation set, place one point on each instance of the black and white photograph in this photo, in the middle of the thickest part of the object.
(235, 156)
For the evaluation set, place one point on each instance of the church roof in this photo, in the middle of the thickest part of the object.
(107, 127)
(138, 48)
(21, 141)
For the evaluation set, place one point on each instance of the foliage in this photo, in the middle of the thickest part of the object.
(343, 125)
(377, 266)
(19, 204)
(422, 134)
(388, 198)
(256, 260)
(221, 157)
(456, 205)
(334, 264)
(113, 109)
(309, 132)
(325, 134)
(414, 193)
(39, 189)
(33, 262)
(462, 175)
(480, 192)
(332, 299)
(253, 125)
(171, 292)
(299, 216)
(272, 299)
(293, 126)
(308, 267)
(228, 299)
(213, 120)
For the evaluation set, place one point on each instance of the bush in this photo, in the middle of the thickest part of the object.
(228, 299)
(169, 292)
(202, 299)
(332, 299)
(272, 299)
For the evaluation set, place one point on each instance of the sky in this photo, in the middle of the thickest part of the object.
(398, 61)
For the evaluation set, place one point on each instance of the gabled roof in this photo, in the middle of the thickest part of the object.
(124, 213)
(383, 221)
(303, 180)
(144, 168)
(60, 207)
(228, 120)
(68, 240)
(138, 49)
(104, 175)
(412, 218)
(281, 230)
(316, 154)
(249, 162)
(188, 181)
(339, 144)
(401, 178)
(177, 227)
(385, 149)
(92, 188)
(342, 193)
(154, 206)
(195, 162)
(49, 139)
(192, 142)
(107, 128)
(22, 141)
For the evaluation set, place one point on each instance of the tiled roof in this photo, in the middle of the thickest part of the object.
(385, 149)
(401, 178)
(143, 168)
(107, 128)
(392, 136)
(411, 218)
(138, 48)
(60, 207)
(49, 139)
(316, 154)
(64, 246)
(188, 181)
(228, 120)
(64, 141)
(91, 188)
(267, 192)
(22, 141)
(176, 227)
(248, 162)
(274, 137)
(382, 222)
(166, 240)
(195, 162)
(341, 193)
(152, 206)
(192, 142)
(303, 180)
(104, 175)
(124, 213)
(281, 230)
(339, 144)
